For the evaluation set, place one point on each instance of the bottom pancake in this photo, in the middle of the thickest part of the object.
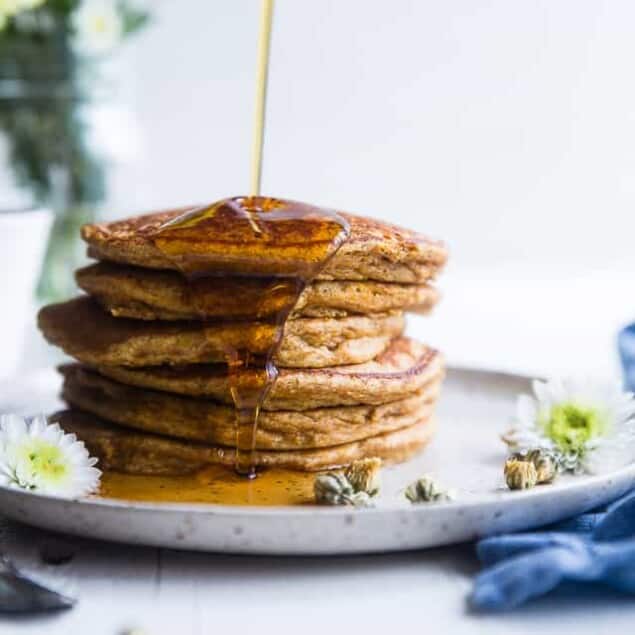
(205, 421)
(124, 450)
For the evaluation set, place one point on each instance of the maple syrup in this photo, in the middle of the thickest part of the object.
(279, 246)
(262, 73)
(213, 485)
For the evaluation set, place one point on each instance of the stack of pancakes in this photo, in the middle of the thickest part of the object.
(151, 394)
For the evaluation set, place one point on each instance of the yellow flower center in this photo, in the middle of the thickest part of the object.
(100, 25)
(44, 461)
(570, 426)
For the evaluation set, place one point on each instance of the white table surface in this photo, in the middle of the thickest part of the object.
(163, 592)
(542, 325)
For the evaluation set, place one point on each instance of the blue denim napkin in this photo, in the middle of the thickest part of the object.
(597, 548)
(592, 548)
(626, 345)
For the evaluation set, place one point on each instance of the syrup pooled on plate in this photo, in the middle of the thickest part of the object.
(215, 485)
(279, 246)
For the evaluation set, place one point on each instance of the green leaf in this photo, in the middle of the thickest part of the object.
(62, 8)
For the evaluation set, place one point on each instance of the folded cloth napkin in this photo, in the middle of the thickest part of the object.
(626, 345)
(596, 548)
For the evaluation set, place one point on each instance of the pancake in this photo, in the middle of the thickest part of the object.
(206, 421)
(124, 450)
(402, 369)
(148, 294)
(83, 330)
(375, 250)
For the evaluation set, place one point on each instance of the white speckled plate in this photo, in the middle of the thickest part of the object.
(466, 455)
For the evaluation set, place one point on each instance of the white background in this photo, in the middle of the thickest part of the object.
(507, 128)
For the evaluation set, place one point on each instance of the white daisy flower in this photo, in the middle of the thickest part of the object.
(40, 457)
(98, 27)
(589, 426)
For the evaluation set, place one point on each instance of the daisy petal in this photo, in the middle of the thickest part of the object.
(39, 456)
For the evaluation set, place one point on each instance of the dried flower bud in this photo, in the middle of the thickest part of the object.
(364, 475)
(335, 489)
(360, 499)
(545, 464)
(569, 462)
(427, 490)
(520, 474)
(331, 489)
(545, 461)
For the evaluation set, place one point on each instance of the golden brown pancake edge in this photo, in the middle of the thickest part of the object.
(375, 250)
(204, 420)
(133, 452)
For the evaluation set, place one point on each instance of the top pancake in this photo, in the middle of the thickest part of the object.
(374, 251)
